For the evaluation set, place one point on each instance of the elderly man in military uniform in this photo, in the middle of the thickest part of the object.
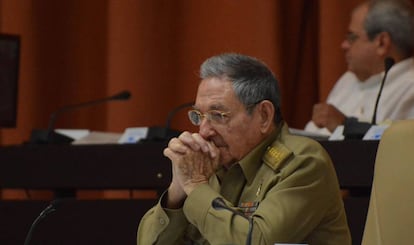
(243, 179)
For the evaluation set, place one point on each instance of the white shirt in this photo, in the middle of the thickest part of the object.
(357, 99)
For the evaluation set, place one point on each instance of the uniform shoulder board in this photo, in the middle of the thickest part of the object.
(276, 154)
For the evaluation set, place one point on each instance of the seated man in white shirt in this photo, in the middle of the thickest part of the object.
(377, 30)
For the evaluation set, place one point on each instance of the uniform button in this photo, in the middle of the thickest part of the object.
(162, 221)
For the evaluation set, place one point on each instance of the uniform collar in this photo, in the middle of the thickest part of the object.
(253, 160)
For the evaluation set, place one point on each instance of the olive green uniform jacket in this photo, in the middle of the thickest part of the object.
(287, 186)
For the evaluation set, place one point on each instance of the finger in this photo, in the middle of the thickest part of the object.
(203, 144)
(177, 146)
(187, 139)
(213, 150)
(168, 153)
(199, 164)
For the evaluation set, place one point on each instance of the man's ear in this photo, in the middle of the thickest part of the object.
(384, 44)
(266, 112)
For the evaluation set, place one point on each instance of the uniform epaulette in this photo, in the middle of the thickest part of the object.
(276, 154)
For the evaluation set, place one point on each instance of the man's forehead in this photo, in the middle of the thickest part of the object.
(358, 18)
(215, 94)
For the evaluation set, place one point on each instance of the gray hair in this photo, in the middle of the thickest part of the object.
(395, 17)
(252, 80)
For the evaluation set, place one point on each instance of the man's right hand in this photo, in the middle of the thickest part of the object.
(193, 160)
(327, 116)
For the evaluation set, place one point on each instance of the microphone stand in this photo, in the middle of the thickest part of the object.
(388, 63)
(172, 113)
(249, 231)
(157, 133)
(48, 210)
(353, 129)
(49, 136)
(219, 204)
(125, 95)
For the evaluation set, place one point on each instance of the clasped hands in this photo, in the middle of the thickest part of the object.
(194, 160)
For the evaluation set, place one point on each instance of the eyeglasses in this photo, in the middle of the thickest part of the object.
(214, 116)
(351, 37)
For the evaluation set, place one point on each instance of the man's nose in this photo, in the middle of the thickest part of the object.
(205, 129)
(345, 45)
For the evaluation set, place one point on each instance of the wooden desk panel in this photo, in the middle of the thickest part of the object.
(137, 166)
(354, 161)
(74, 222)
(141, 166)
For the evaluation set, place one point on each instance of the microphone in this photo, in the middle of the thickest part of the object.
(353, 129)
(45, 212)
(388, 63)
(124, 95)
(157, 133)
(172, 113)
(219, 204)
(51, 137)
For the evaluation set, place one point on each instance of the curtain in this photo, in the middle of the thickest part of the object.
(74, 51)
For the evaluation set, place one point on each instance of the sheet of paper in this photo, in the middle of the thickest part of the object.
(338, 133)
(375, 132)
(96, 137)
(312, 135)
(73, 133)
(133, 135)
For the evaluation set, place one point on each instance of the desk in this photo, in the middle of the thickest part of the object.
(104, 222)
(141, 166)
(137, 166)
(353, 160)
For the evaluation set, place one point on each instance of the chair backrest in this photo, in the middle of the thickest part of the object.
(390, 218)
